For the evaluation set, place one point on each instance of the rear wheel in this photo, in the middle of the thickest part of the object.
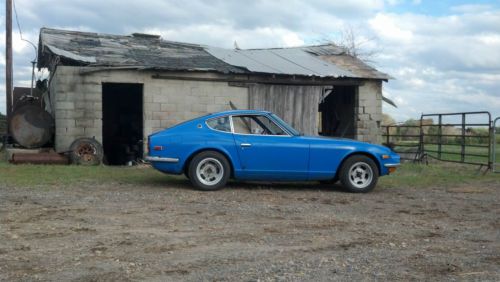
(209, 171)
(359, 174)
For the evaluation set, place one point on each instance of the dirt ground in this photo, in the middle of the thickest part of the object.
(250, 232)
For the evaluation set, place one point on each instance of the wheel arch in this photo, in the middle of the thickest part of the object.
(361, 153)
(196, 152)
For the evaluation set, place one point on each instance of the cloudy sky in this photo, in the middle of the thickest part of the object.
(444, 55)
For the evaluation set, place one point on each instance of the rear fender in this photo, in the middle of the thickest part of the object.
(220, 150)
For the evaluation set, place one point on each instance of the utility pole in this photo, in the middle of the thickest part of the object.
(8, 61)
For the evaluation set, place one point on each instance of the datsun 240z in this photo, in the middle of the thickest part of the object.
(259, 146)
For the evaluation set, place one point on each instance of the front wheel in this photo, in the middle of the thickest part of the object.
(209, 171)
(359, 174)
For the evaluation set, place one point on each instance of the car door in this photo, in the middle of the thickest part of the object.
(268, 152)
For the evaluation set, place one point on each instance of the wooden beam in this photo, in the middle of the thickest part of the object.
(263, 80)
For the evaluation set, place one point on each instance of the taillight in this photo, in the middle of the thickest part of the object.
(147, 147)
(158, 148)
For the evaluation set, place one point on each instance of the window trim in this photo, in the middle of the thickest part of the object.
(287, 134)
(230, 124)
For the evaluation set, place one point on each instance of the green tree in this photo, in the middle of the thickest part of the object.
(387, 120)
(3, 124)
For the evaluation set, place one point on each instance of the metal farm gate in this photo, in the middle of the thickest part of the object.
(458, 137)
(404, 139)
(496, 145)
(467, 137)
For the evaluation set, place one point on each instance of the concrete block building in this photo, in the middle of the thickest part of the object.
(119, 89)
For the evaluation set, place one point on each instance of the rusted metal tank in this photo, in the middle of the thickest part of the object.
(31, 126)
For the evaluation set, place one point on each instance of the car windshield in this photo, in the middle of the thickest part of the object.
(289, 128)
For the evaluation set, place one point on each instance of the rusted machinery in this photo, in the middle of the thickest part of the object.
(31, 127)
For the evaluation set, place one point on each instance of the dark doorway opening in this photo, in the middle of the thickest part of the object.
(122, 125)
(337, 112)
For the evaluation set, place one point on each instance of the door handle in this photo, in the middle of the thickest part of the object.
(246, 145)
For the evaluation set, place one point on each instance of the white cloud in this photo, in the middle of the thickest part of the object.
(388, 27)
(445, 62)
(442, 63)
(225, 36)
(471, 8)
(394, 2)
(489, 39)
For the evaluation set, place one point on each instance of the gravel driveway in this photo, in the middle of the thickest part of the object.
(250, 232)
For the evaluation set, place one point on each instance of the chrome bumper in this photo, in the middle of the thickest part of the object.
(392, 165)
(160, 159)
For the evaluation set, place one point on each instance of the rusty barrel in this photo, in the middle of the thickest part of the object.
(31, 126)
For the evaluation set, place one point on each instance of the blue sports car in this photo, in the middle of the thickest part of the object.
(258, 145)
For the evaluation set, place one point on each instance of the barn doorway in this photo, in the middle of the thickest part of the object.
(122, 122)
(336, 113)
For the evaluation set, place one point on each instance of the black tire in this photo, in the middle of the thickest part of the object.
(218, 165)
(355, 174)
(86, 151)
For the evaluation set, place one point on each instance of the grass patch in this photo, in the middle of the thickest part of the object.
(452, 152)
(48, 175)
(408, 175)
(437, 175)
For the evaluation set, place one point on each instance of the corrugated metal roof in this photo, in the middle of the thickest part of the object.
(146, 51)
(289, 61)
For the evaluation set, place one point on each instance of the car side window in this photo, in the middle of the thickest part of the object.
(273, 128)
(221, 124)
(256, 125)
(245, 125)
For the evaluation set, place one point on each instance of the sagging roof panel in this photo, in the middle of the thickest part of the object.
(147, 51)
(93, 49)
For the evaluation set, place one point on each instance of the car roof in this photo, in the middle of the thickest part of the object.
(237, 112)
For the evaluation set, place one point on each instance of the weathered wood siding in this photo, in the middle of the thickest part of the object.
(297, 105)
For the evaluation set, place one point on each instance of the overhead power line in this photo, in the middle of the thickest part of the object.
(21, 32)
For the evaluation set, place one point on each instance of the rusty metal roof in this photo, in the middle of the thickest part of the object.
(151, 52)
(137, 50)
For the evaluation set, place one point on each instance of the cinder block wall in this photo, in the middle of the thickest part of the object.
(369, 112)
(77, 101)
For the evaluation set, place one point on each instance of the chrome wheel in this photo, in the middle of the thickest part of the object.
(209, 171)
(360, 175)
